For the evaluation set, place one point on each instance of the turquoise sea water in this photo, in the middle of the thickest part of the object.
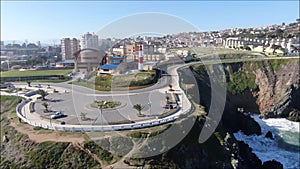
(285, 148)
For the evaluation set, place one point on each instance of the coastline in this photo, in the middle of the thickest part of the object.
(285, 146)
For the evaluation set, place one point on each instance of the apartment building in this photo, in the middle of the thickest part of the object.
(69, 47)
(89, 40)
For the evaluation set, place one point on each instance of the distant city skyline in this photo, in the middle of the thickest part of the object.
(50, 21)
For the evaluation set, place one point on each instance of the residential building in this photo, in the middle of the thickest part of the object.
(89, 40)
(69, 47)
(119, 51)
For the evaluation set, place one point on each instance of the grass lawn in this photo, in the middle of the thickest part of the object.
(223, 53)
(120, 82)
(26, 73)
(50, 80)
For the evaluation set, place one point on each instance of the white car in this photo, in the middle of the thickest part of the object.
(57, 115)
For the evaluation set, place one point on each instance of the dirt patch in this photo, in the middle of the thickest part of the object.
(48, 135)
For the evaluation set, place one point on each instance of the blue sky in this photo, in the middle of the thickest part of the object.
(49, 20)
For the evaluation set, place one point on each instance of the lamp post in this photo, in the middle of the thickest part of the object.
(182, 96)
(101, 120)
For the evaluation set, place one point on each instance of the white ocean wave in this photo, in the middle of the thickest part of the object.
(267, 149)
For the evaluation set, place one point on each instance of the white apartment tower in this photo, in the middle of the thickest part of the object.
(68, 48)
(89, 40)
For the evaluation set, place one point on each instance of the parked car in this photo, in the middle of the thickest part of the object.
(168, 106)
(57, 115)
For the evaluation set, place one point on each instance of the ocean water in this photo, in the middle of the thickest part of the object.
(285, 147)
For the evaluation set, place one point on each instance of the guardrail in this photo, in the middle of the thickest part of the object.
(89, 128)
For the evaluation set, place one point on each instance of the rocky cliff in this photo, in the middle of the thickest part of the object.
(273, 85)
(278, 88)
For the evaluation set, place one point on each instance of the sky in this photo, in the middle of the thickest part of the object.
(49, 21)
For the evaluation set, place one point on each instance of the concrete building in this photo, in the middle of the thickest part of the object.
(89, 40)
(119, 51)
(66, 64)
(89, 60)
(69, 47)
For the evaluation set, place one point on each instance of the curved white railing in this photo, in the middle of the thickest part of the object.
(91, 128)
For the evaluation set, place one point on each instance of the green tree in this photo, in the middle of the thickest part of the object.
(168, 99)
(248, 48)
(46, 106)
(43, 93)
(139, 108)
(170, 86)
(83, 116)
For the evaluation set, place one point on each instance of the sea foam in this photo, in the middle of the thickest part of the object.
(285, 132)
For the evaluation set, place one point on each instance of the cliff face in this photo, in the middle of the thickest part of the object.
(277, 87)
(269, 87)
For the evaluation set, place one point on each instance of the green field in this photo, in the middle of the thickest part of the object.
(26, 73)
(119, 82)
(223, 53)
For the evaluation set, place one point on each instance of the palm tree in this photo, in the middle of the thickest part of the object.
(168, 99)
(43, 93)
(170, 86)
(83, 116)
(29, 84)
(46, 105)
(139, 108)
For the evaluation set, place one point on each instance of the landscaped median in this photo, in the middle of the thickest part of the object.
(105, 104)
(106, 82)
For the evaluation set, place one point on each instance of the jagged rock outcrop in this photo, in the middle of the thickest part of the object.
(272, 165)
(269, 135)
(276, 87)
(271, 87)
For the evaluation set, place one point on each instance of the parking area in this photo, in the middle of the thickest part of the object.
(73, 104)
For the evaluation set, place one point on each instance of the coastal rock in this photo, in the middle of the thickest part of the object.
(294, 115)
(269, 135)
(277, 84)
(272, 165)
(249, 159)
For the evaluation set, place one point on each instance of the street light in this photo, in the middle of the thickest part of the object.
(101, 120)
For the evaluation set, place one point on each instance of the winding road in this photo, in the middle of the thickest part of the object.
(76, 98)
